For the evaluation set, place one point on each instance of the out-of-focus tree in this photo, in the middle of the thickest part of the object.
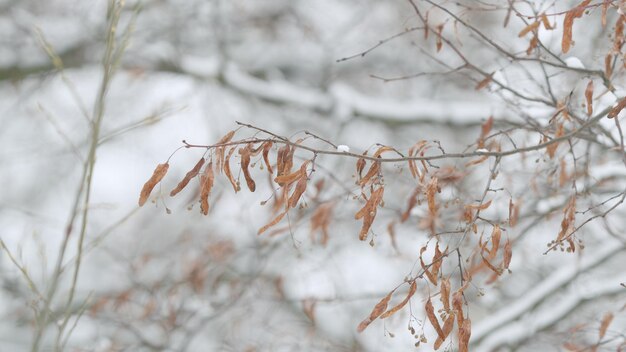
(445, 175)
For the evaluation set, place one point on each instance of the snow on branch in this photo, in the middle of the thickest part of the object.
(542, 291)
(346, 100)
(521, 330)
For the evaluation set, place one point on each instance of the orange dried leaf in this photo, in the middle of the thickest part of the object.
(285, 180)
(227, 171)
(568, 23)
(477, 161)
(495, 241)
(288, 159)
(508, 254)
(589, 97)
(531, 27)
(227, 137)
(297, 193)
(360, 165)
(618, 36)
(400, 305)
(447, 329)
(376, 312)
(266, 150)
(551, 149)
(381, 150)
(617, 108)
(439, 41)
(606, 321)
(457, 305)
(191, 174)
(433, 272)
(245, 163)
(412, 202)
(485, 82)
(608, 67)
(465, 331)
(157, 176)
(321, 220)
(490, 266)
(275, 221)
(482, 206)
(205, 188)
(431, 190)
(373, 171)
(219, 151)
(534, 42)
(430, 313)
(546, 23)
(368, 212)
(280, 156)
(485, 128)
(445, 293)
(605, 8)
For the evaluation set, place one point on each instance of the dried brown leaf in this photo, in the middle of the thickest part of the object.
(534, 42)
(589, 97)
(280, 157)
(445, 293)
(157, 176)
(368, 212)
(185, 181)
(266, 150)
(618, 36)
(606, 321)
(508, 254)
(376, 312)
(205, 188)
(465, 331)
(439, 41)
(245, 163)
(275, 221)
(448, 325)
(321, 220)
(219, 151)
(400, 305)
(430, 313)
(485, 82)
(412, 202)
(477, 161)
(482, 206)
(568, 23)
(617, 108)
(431, 190)
(298, 191)
(457, 305)
(608, 67)
(546, 23)
(227, 171)
(530, 28)
(496, 234)
(381, 150)
(360, 165)
(373, 171)
(551, 149)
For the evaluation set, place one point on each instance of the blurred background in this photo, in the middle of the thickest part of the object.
(166, 278)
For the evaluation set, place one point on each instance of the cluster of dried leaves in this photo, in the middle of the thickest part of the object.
(491, 254)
